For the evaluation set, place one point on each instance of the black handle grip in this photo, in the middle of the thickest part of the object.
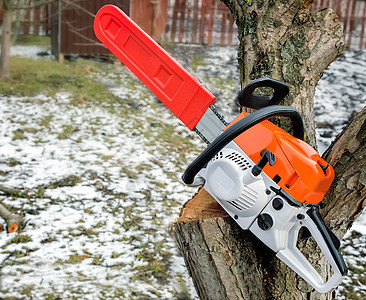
(238, 128)
(247, 97)
(330, 238)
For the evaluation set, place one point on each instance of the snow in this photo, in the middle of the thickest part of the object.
(340, 93)
(81, 219)
(114, 218)
(31, 51)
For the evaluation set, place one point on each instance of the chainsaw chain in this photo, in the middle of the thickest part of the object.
(213, 108)
(201, 136)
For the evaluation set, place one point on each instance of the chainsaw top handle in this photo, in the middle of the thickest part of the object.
(239, 127)
(247, 98)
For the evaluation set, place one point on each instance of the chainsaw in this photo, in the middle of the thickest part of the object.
(269, 181)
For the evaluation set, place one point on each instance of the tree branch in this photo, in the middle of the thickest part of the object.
(346, 198)
(31, 4)
(14, 222)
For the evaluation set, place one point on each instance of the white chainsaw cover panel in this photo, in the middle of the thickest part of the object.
(230, 181)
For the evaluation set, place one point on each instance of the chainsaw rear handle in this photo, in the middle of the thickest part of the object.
(238, 128)
(330, 238)
(327, 242)
(247, 98)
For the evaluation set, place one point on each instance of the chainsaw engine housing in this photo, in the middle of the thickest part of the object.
(299, 169)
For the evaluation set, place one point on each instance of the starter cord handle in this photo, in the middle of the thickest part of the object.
(238, 128)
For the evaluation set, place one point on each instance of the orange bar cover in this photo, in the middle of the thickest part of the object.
(182, 93)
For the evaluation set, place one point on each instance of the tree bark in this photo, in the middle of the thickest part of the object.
(9, 9)
(346, 198)
(283, 40)
(6, 42)
(286, 41)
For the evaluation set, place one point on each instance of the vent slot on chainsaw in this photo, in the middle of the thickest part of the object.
(249, 196)
(239, 160)
(246, 200)
(218, 156)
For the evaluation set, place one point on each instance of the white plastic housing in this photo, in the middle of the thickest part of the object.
(282, 238)
(230, 181)
(245, 196)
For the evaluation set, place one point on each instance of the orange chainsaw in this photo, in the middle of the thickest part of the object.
(267, 180)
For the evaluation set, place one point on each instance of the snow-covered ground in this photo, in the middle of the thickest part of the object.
(103, 186)
(341, 93)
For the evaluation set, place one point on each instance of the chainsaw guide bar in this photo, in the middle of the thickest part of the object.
(182, 93)
(269, 181)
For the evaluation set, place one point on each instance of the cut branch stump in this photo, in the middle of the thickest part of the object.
(13, 221)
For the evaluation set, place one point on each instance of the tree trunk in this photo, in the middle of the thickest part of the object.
(226, 262)
(6, 42)
(286, 41)
(283, 40)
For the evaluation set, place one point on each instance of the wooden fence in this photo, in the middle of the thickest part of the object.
(72, 26)
(199, 21)
(210, 21)
(36, 21)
